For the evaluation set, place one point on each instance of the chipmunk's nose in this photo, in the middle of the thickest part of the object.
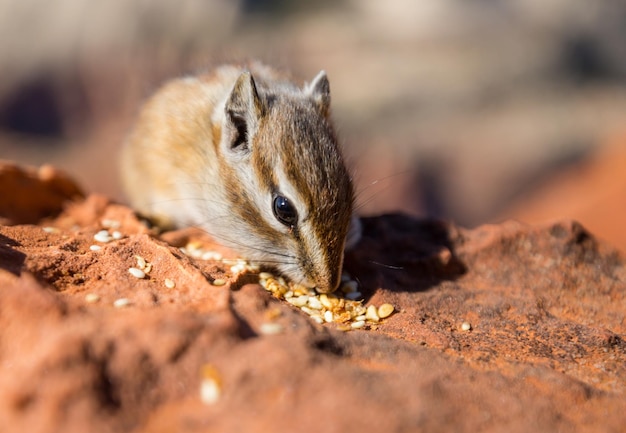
(330, 284)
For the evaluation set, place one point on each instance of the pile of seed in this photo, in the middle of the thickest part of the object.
(344, 307)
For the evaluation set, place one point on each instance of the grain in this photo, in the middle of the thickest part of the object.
(219, 282)
(141, 262)
(103, 236)
(323, 308)
(91, 298)
(271, 328)
(372, 314)
(121, 303)
(170, 284)
(385, 311)
(210, 385)
(137, 273)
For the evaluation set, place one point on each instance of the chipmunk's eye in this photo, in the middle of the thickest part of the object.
(284, 211)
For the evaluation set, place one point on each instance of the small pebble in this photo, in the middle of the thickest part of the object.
(137, 273)
(466, 326)
(170, 284)
(95, 247)
(219, 282)
(121, 303)
(385, 311)
(91, 298)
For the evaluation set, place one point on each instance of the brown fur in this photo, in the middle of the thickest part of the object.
(186, 163)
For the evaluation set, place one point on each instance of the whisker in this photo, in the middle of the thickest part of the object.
(358, 196)
(397, 268)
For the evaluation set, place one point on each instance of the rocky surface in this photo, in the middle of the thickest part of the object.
(501, 328)
(592, 191)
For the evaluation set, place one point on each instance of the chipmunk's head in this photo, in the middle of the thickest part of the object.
(291, 192)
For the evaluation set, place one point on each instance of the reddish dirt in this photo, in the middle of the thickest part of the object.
(546, 350)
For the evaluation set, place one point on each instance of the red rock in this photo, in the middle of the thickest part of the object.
(592, 192)
(546, 350)
(30, 194)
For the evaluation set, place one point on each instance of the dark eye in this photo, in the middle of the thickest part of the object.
(284, 211)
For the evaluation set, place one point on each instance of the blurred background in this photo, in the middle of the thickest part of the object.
(468, 111)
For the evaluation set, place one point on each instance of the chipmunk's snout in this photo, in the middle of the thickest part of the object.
(331, 284)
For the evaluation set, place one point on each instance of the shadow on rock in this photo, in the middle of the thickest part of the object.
(403, 253)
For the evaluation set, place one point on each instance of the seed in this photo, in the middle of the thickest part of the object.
(121, 303)
(117, 235)
(210, 386)
(211, 255)
(358, 324)
(372, 314)
(318, 319)
(466, 326)
(298, 301)
(235, 269)
(308, 311)
(344, 327)
(137, 273)
(95, 247)
(141, 262)
(170, 284)
(325, 301)
(219, 282)
(251, 267)
(91, 298)
(360, 317)
(148, 268)
(50, 229)
(103, 236)
(265, 275)
(385, 311)
(315, 303)
(271, 328)
(328, 316)
(110, 224)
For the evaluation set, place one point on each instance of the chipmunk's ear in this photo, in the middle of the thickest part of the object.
(319, 90)
(243, 110)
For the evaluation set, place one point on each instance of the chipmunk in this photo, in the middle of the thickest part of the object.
(251, 158)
